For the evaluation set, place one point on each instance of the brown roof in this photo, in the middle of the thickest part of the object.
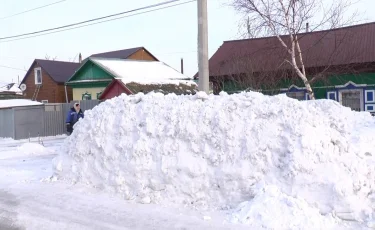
(121, 54)
(342, 46)
(59, 71)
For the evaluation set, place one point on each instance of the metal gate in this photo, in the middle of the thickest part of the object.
(55, 116)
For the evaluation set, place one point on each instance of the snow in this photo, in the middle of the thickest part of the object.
(14, 88)
(140, 71)
(272, 209)
(17, 103)
(312, 162)
(159, 82)
(30, 199)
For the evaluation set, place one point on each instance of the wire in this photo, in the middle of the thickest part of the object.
(91, 20)
(40, 7)
(8, 67)
(113, 19)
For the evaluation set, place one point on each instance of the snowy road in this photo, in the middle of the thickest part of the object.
(28, 202)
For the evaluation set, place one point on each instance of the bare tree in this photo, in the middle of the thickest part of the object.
(285, 19)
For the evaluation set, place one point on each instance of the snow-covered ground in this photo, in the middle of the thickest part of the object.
(243, 161)
(30, 200)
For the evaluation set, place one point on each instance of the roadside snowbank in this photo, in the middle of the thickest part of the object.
(33, 149)
(216, 152)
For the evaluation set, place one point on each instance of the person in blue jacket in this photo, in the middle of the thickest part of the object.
(74, 114)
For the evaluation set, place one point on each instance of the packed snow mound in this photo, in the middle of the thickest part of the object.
(213, 152)
(272, 209)
(33, 149)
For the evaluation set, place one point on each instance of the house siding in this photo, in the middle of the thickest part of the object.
(115, 90)
(142, 55)
(50, 90)
(78, 92)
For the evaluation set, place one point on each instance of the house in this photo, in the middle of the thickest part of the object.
(111, 77)
(137, 53)
(340, 63)
(132, 77)
(89, 81)
(10, 91)
(45, 81)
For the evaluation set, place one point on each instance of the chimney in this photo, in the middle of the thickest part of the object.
(182, 65)
(307, 27)
(80, 58)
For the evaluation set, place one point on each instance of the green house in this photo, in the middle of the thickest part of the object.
(91, 78)
(340, 65)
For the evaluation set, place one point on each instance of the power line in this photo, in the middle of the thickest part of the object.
(8, 67)
(91, 20)
(37, 8)
(113, 19)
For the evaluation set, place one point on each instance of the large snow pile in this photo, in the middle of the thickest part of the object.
(216, 152)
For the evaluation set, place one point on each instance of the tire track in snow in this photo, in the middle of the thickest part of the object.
(8, 213)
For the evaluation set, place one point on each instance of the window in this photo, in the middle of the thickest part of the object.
(297, 95)
(370, 108)
(331, 96)
(352, 99)
(369, 96)
(98, 95)
(86, 96)
(45, 101)
(38, 76)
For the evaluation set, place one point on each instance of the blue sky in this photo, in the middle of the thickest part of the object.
(169, 34)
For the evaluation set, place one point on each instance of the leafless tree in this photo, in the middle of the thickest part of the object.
(286, 19)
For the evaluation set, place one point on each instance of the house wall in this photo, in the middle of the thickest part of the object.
(78, 92)
(142, 55)
(114, 91)
(49, 90)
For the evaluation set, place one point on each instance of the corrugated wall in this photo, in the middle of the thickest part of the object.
(6, 123)
(55, 116)
(28, 122)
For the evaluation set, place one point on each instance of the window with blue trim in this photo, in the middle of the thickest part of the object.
(370, 107)
(331, 95)
(370, 96)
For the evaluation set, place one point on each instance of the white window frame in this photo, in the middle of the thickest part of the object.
(307, 97)
(373, 105)
(373, 96)
(35, 76)
(45, 101)
(331, 92)
(348, 90)
(295, 93)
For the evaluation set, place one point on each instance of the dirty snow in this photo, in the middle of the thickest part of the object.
(313, 161)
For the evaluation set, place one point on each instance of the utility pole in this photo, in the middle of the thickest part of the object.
(203, 83)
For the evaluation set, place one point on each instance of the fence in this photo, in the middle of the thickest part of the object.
(55, 116)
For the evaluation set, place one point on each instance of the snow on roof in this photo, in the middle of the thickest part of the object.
(10, 87)
(17, 103)
(157, 82)
(140, 71)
